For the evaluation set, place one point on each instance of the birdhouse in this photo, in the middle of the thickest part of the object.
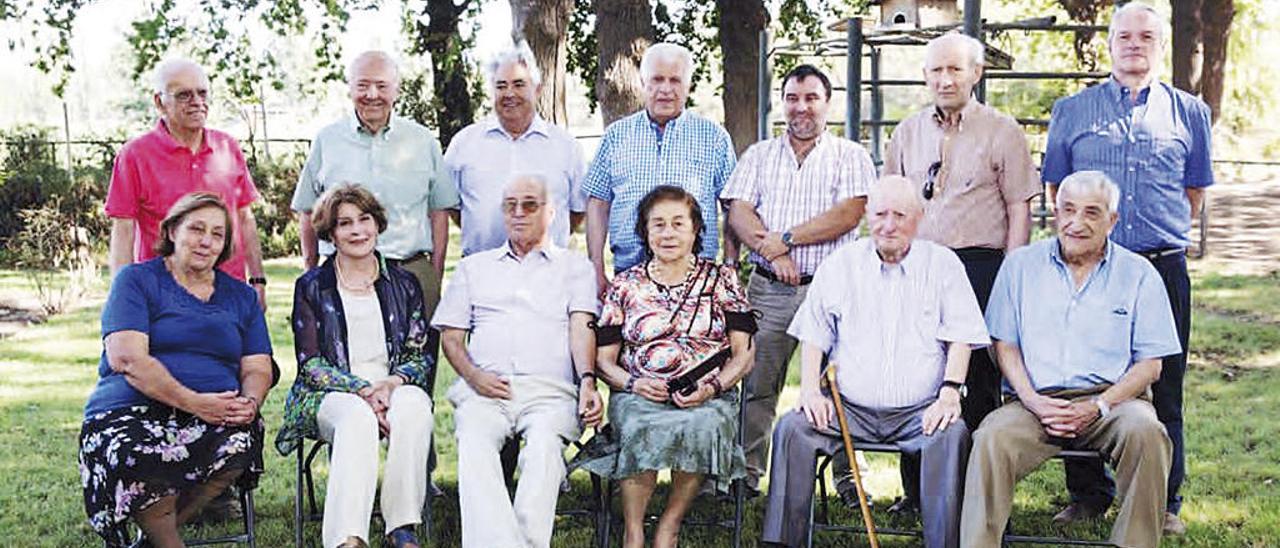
(917, 14)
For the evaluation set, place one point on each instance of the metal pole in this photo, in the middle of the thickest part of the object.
(853, 81)
(762, 86)
(66, 133)
(973, 27)
(266, 139)
(877, 106)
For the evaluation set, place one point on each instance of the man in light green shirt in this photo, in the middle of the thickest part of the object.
(398, 160)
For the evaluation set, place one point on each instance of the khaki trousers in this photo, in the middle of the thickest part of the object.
(1011, 443)
(420, 266)
(348, 424)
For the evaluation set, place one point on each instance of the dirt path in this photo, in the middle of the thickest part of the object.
(1244, 226)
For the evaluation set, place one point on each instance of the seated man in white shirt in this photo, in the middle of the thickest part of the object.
(527, 307)
(898, 319)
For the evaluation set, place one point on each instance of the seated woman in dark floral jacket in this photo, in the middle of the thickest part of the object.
(359, 329)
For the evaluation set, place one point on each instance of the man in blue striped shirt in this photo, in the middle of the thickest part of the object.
(664, 144)
(1153, 141)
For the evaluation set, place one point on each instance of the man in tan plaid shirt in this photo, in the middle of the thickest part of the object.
(793, 200)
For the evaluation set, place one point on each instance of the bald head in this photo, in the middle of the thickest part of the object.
(525, 211)
(894, 211)
(172, 70)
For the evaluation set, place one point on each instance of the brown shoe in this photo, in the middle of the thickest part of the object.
(1076, 512)
(1173, 525)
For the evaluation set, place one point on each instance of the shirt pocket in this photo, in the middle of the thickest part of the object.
(1108, 326)
(1168, 155)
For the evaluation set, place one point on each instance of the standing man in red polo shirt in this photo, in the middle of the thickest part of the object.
(180, 156)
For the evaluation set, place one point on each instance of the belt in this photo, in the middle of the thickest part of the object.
(766, 274)
(1161, 253)
(415, 257)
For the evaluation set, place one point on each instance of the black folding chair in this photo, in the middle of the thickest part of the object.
(820, 512)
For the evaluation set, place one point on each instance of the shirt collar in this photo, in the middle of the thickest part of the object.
(162, 130)
(358, 128)
(786, 143)
(1119, 93)
(547, 251)
(909, 263)
(969, 108)
(670, 123)
(538, 126)
(1055, 253)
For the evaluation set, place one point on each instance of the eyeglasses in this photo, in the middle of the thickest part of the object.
(528, 207)
(188, 96)
(933, 176)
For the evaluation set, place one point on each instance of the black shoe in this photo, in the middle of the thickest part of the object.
(905, 506)
(403, 537)
(848, 492)
(1077, 511)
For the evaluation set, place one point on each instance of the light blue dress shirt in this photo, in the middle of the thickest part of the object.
(402, 166)
(1154, 150)
(693, 153)
(1071, 338)
(482, 159)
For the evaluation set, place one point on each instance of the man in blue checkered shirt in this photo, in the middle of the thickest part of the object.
(664, 144)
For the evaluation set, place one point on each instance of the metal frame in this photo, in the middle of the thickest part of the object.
(820, 510)
(249, 519)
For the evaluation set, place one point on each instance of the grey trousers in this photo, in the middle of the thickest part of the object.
(778, 303)
(796, 445)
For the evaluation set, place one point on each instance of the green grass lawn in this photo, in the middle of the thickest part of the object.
(1233, 433)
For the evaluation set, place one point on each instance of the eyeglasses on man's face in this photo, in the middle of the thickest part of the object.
(189, 95)
(527, 207)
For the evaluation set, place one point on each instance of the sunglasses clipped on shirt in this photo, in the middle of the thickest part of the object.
(528, 207)
(932, 177)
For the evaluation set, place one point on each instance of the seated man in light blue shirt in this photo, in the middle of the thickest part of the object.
(526, 307)
(1080, 325)
(483, 156)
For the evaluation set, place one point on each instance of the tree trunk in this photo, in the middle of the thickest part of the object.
(740, 24)
(449, 70)
(1188, 40)
(1216, 16)
(543, 24)
(624, 28)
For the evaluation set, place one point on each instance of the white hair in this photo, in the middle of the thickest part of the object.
(519, 54)
(170, 68)
(372, 56)
(1134, 8)
(1090, 182)
(665, 51)
(538, 181)
(895, 184)
(974, 49)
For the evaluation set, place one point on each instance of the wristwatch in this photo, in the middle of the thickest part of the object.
(786, 239)
(958, 386)
(258, 280)
(1104, 408)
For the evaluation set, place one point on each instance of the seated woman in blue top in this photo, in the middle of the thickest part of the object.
(187, 362)
(359, 328)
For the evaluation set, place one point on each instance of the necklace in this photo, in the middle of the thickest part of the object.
(657, 273)
(360, 287)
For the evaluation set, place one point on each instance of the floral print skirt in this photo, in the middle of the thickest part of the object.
(644, 436)
(134, 456)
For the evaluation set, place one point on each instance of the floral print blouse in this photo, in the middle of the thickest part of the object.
(668, 330)
(320, 340)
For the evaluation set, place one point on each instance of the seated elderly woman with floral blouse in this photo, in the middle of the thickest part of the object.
(662, 319)
(173, 420)
(359, 329)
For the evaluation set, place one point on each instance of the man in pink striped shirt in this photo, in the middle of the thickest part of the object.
(178, 156)
(793, 200)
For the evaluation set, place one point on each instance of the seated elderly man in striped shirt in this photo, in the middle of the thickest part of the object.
(898, 320)
(793, 200)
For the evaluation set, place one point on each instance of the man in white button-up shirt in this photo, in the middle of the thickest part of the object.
(483, 156)
(898, 320)
(527, 307)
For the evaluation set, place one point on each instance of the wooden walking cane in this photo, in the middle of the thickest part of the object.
(853, 461)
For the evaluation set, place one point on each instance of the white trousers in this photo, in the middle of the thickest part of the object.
(348, 424)
(545, 414)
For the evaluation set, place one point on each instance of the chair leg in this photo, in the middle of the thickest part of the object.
(739, 501)
(299, 522)
(246, 500)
